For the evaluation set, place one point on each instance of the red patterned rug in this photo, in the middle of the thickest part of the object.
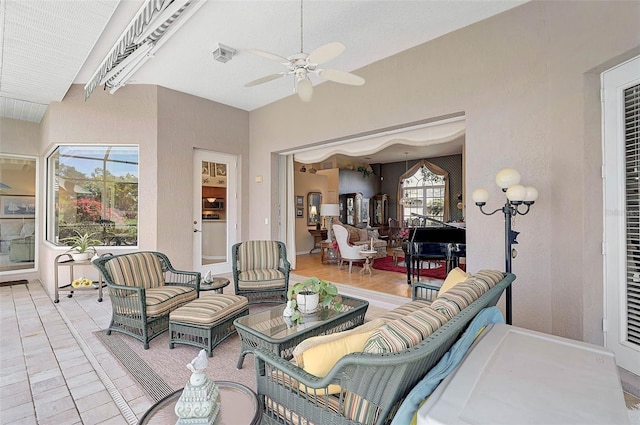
(386, 263)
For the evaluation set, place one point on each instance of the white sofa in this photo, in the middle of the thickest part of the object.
(17, 239)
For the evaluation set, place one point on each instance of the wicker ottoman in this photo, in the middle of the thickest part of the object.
(206, 321)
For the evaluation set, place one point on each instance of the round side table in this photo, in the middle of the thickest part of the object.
(238, 405)
(215, 285)
(366, 267)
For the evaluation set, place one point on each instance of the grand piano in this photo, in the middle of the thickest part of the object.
(445, 242)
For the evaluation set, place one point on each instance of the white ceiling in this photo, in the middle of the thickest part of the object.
(47, 45)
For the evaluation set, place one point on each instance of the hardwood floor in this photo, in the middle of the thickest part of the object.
(381, 281)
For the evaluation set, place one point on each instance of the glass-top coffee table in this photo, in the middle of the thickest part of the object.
(270, 330)
(238, 405)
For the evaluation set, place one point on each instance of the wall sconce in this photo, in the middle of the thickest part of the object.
(508, 180)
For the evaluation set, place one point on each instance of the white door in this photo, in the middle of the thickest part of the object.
(621, 151)
(215, 210)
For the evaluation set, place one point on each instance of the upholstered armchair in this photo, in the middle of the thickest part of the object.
(144, 288)
(261, 270)
(348, 252)
(23, 249)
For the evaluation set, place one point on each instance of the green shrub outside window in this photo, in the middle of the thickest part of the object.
(93, 189)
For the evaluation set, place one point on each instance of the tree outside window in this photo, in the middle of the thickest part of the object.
(424, 194)
(94, 190)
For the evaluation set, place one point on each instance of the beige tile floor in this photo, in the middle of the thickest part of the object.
(53, 370)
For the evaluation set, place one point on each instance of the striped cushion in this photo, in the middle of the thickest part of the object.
(457, 299)
(426, 320)
(330, 403)
(209, 309)
(400, 334)
(140, 269)
(359, 409)
(405, 309)
(160, 301)
(258, 255)
(491, 277)
(260, 277)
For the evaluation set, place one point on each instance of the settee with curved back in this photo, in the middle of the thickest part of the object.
(17, 238)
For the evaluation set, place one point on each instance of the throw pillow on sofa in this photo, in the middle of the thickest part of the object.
(454, 277)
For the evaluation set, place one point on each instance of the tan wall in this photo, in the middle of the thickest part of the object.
(166, 125)
(522, 80)
(184, 123)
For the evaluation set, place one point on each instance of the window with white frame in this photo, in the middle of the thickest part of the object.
(93, 189)
(423, 193)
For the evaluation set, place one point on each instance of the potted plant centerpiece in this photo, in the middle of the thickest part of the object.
(307, 296)
(82, 245)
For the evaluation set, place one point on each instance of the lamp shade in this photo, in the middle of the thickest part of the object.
(516, 193)
(532, 194)
(313, 210)
(507, 177)
(480, 196)
(305, 89)
(329, 210)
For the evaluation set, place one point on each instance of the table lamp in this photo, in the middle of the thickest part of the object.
(329, 211)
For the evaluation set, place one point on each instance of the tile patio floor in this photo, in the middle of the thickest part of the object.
(53, 370)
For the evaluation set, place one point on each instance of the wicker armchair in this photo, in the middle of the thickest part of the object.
(261, 270)
(144, 288)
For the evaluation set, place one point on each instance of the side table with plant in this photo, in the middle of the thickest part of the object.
(82, 245)
(306, 296)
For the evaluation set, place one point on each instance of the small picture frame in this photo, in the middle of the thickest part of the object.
(221, 170)
(299, 212)
(299, 201)
(205, 168)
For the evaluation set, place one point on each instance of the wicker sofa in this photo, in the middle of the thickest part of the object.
(368, 387)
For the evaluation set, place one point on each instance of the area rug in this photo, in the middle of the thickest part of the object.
(161, 370)
(437, 270)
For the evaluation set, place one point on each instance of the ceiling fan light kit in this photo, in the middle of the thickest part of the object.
(301, 64)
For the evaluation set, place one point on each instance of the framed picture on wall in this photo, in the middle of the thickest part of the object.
(299, 212)
(221, 170)
(17, 206)
(299, 201)
(205, 168)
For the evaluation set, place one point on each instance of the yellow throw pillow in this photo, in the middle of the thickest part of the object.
(454, 277)
(319, 359)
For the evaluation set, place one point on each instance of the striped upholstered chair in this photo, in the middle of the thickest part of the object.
(261, 270)
(144, 288)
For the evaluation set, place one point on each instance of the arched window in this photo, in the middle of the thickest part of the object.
(424, 190)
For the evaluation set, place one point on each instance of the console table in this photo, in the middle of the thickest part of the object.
(318, 236)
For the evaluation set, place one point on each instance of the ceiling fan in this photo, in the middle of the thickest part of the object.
(300, 65)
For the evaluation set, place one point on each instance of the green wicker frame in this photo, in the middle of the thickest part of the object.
(267, 294)
(380, 381)
(129, 315)
(207, 337)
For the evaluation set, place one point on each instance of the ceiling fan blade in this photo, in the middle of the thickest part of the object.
(305, 89)
(327, 52)
(268, 55)
(341, 77)
(265, 79)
